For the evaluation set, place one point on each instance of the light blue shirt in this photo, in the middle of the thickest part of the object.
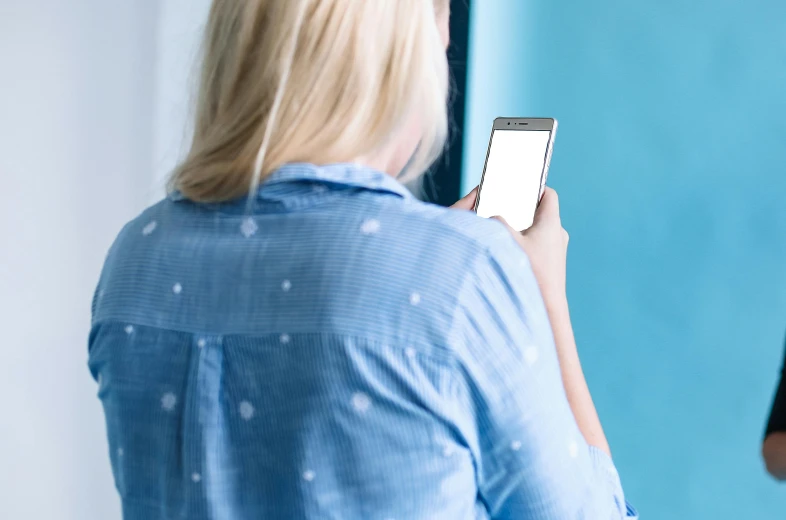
(337, 350)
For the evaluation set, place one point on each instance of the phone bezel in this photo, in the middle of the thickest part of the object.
(522, 124)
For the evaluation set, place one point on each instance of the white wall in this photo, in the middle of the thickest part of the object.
(86, 133)
(180, 28)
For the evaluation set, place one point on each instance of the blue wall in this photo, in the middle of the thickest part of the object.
(671, 166)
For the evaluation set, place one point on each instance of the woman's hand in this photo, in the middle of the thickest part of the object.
(467, 201)
(546, 244)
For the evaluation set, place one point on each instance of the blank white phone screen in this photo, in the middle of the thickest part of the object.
(511, 182)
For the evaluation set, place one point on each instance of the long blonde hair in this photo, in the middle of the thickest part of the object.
(317, 81)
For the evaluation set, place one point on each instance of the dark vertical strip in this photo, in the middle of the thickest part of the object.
(444, 185)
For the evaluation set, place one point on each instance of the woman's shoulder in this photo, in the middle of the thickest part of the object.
(487, 237)
(484, 249)
(140, 228)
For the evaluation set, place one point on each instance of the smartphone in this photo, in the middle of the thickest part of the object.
(517, 164)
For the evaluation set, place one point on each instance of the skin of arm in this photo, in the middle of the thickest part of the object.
(573, 379)
(774, 452)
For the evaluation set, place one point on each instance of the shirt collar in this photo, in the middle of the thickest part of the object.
(345, 174)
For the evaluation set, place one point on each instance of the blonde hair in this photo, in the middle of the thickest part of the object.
(319, 81)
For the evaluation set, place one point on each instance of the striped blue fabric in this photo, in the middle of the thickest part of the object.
(334, 349)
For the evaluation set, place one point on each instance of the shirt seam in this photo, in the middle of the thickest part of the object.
(448, 357)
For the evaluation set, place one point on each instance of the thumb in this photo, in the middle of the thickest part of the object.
(467, 201)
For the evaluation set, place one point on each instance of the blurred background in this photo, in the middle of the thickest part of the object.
(670, 161)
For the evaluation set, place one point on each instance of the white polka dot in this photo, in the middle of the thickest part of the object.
(148, 229)
(246, 410)
(361, 402)
(248, 227)
(515, 445)
(196, 477)
(573, 449)
(177, 288)
(201, 343)
(410, 352)
(414, 298)
(308, 475)
(286, 285)
(168, 401)
(319, 188)
(120, 452)
(531, 355)
(284, 339)
(129, 329)
(370, 226)
(448, 451)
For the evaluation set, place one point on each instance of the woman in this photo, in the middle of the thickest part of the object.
(290, 334)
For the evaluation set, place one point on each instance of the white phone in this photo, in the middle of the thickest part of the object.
(517, 164)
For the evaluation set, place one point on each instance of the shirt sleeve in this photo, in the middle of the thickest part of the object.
(777, 421)
(532, 461)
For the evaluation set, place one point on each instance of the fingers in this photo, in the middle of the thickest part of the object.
(504, 222)
(548, 209)
(501, 219)
(467, 202)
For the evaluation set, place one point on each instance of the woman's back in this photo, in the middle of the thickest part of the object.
(333, 354)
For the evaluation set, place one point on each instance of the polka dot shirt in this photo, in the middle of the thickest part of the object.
(334, 348)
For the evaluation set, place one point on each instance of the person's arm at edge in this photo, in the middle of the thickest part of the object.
(773, 449)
